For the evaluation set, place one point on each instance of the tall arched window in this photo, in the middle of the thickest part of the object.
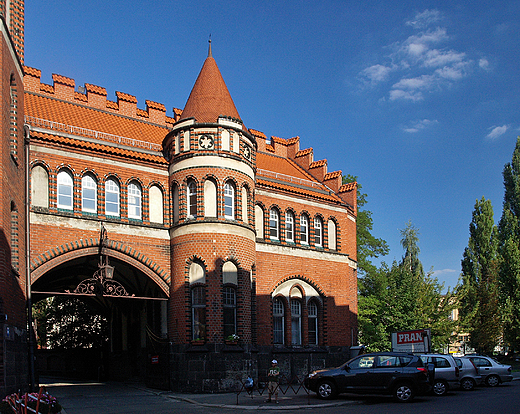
(289, 226)
(88, 194)
(192, 199)
(318, 232)
(134, 201)
(312, 310)
(304, 229)
(278, 321)
(296, 322)
(111, 198)
(65, 193)
(259, 222)
(229, 200)
(331, 231)
(245, 205)
(210, 199)
(230, 311)
(274, 224)
(39, 187)
(198, 312)
(156, 204)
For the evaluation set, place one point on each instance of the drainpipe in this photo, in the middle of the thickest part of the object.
(32, 376)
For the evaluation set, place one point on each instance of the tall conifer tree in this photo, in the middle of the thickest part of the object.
(478, 293)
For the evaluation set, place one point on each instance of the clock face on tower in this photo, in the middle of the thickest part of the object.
(247, 152)
(206, 141)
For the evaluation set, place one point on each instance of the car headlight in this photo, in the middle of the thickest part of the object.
(312, 374)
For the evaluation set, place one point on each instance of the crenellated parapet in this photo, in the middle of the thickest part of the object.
(290, 148)
(95, 96)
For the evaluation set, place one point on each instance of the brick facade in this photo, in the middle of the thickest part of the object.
(220, 222)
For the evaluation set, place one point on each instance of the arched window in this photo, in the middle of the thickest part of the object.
(134, 201)
(111, 198)
(198, 312)
(230, 311)
(176, 202)
(312, 311)
(88, 194)
(318, 232)
(278, 321)
(289, 226)
(156, 204)
(274, 224)
(39, 187)
(304, 229)
(245, 205)
(210, 199)
(65, 193)
(259, 222)
(192, 199)
(229, 201)
(331, 231)
(296, 322)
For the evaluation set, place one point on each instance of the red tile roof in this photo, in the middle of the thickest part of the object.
(44, 108)
(63, 79)
(209, 97)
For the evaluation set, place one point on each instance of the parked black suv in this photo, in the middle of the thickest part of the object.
(399, 374)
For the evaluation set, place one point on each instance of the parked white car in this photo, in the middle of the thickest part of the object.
(493, 373)
(446, 372)
(469, 375)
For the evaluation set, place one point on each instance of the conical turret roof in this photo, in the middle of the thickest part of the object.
(209, 97)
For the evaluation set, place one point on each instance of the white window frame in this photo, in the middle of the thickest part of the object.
(296, 322)
(274, 224)
(312, 312)
(304, 229)
(289, 226)
(135, 201)
(112, 189)
(318, 232)
(65, 190)
(229, 201)
(191, 195)
(88, 185)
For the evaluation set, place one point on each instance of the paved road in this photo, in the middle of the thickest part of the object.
(128, 398)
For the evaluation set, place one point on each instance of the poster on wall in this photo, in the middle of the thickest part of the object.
(415, 342)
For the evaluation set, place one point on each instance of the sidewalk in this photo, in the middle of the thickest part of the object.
(288, 400)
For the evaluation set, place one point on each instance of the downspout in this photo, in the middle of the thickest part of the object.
(32, 376)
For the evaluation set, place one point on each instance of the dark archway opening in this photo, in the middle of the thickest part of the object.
(98, 337)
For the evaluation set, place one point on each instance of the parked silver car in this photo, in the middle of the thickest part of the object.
(446, 372)
(469, 375)
(493, 373)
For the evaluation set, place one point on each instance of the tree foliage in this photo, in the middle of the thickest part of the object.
(67, 323)
(478, 294)
(509, 250)
(402, 297)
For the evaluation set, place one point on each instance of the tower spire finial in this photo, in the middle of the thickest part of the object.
(209, 50)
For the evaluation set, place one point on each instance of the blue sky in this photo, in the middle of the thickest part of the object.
(419, 99)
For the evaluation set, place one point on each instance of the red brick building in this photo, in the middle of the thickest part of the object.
(214, 232)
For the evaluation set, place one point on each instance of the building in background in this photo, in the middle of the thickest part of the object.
(208, 247)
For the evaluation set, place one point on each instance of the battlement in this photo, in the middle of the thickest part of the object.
(95, 96)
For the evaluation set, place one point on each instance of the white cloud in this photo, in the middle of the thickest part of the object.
(377, 73)
(484, 64)
(436, 273)
(419, 125)
(421, 62)
(424, 19)
(497, 131)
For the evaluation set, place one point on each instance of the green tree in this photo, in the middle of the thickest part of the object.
(509, 237)
(66, 323)
(368, 246)
(478, 294)
(402, 297)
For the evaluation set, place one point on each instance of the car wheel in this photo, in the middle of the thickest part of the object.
(492, 381)
(326, 390)
(467, 384)
(404, 392)
(440, 388)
